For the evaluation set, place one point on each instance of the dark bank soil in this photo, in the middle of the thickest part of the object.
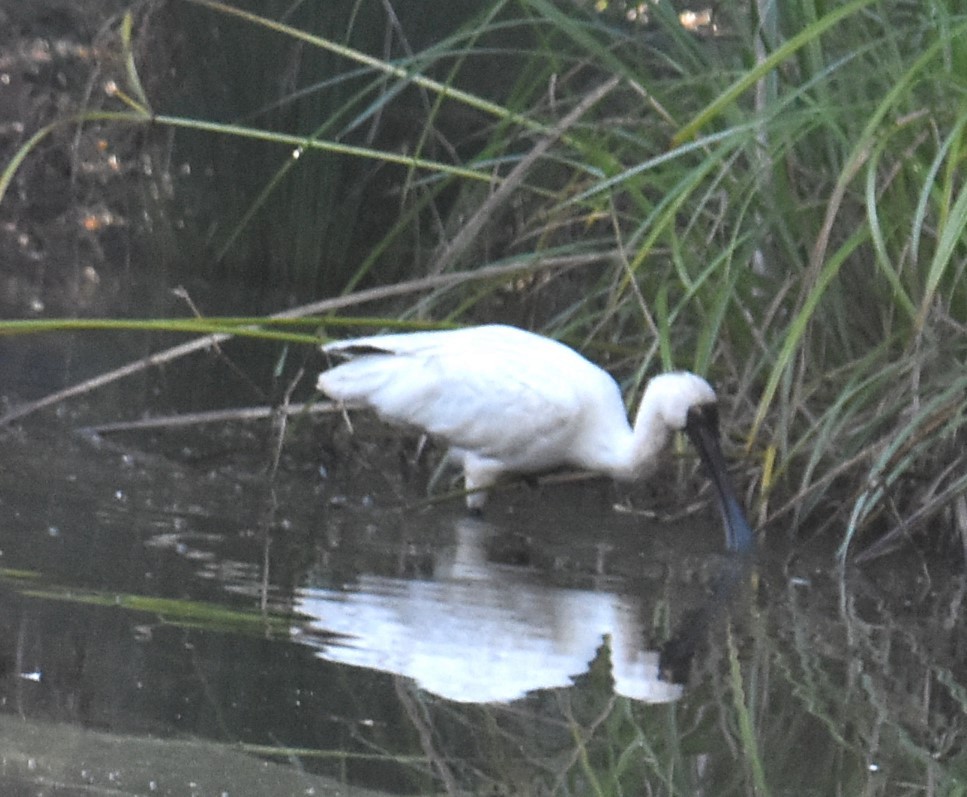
(68, 218)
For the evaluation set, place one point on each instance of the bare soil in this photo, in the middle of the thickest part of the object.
(67, 215)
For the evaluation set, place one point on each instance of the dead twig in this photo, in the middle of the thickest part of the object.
(434, 282)
(215, 416)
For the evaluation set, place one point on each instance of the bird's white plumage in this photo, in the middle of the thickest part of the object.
(507, 400)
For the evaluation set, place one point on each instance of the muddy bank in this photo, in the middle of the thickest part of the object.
(70, 213)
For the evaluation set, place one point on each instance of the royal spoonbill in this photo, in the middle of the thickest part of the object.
(510, 401)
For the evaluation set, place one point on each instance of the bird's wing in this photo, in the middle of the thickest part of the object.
(432, 343)
(494, 393)
(501, 407)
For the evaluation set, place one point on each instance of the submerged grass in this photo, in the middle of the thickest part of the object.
(782, 202)
(167, 611)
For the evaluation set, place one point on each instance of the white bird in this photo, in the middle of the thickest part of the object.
(510, 401)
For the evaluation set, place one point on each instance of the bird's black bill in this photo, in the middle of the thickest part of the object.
(702, 426)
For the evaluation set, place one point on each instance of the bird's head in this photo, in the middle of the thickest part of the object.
(679, 395)
(686, 402)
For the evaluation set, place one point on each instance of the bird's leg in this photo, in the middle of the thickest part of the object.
(341, 406)
(420, 446)
(476, 498)
(478, 475)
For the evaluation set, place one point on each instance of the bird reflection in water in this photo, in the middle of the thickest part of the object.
(482, 631)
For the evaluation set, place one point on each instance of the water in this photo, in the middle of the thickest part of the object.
(176, 623)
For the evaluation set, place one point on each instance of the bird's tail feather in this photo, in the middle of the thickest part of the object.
(359, 380)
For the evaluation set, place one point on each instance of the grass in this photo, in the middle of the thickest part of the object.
(783, 209)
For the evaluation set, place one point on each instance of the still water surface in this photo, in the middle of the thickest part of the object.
(173, 623)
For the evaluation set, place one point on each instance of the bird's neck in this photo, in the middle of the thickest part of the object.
(649, 436)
